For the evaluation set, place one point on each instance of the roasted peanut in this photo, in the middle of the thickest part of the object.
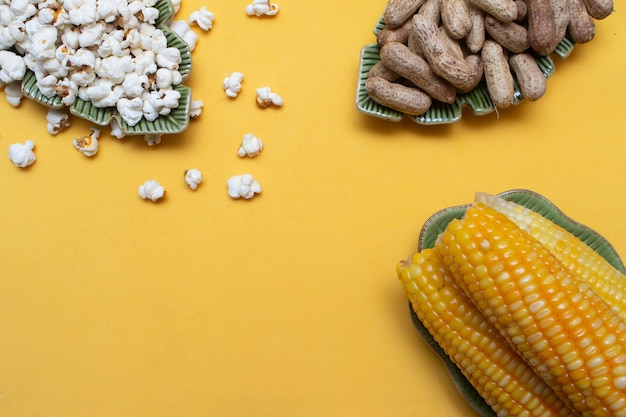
(399, 34)
(414, 68)
(541, 26)
(455, 18)
(409, 100)
(380, 70)
(561, 20)
(510, 35)
(431, 9)
(399, 11)
(452, 45)
(498, 75)
(476, 36)
(599, 9)
(477, 64)
(521, 10)
(503, 10)
(531, 81)
(581, 26)
(445, 64)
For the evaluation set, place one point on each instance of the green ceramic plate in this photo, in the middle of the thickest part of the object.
(440, 113)
(175, 122)
(438, 222)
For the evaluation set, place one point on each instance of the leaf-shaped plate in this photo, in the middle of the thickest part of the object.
(175, 122)
(441, 113)
(438, 222)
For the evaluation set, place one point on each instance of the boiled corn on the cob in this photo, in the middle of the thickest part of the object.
(607, 281)
(575, 341)
(501, 377)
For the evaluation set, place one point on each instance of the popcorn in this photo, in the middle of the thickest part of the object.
(250, 146)
(151, 190)
(202, 18)
(11, 33)
(130, 110)
(265, 97)
(153, 139)
(88, 145)
(116, 130)
(22, 155)
(13, 92)
(12, 67)
(57, 121)
(243, 186)
(232, 84)
(195, 108)
(182, 29)
(261, 7)
(193, 177)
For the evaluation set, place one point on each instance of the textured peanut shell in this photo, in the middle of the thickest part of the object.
(541, 26)
(510, 35)
(445, 64)
(431, 9)
(503, 10)
(581, 27)
(399, 11)
(399, 58)
(476, 36)
(561, 20)
(455, 18)
(599, 9)
(399, 97)
(380, 70)
(399, 34)
(498, 75)
(531, 81)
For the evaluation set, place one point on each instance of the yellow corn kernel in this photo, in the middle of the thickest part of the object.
(585, 263)
(551, 306)
(499, 375)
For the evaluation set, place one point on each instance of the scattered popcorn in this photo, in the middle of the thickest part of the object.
(265, 97)
(195, 108)
(193, 177)
(151, 190)
(176, 4)
(203, 18)
(57, 120)
(88, 145)
(22, 155)
(13, 93)
(182, 29)
(116, 129)
(232, 84)
(243, 186)
(12, 67)
(250, 146)
(153, 139)
(261, 7)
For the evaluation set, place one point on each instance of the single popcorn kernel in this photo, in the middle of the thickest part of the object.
(88, 145)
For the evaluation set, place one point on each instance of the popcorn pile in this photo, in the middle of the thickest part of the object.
(109, 53)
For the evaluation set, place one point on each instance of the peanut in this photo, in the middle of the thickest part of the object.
(415, 69)
(380, 70)
(561, 20)
(581, 26)
(399, 34)
(455, 17)
(599, 9)
(531, 81)
(521, 10)
(510, 35)
(399, 11)
(541, 26)
(503, 10)
(411, 101)
(431, 9)
(477, 64)
(445, 64)
(476, 36)
(497, 74)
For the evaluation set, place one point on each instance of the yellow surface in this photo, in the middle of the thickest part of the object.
(287, 304)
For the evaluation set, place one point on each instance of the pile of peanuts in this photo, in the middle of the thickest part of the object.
(436, 49)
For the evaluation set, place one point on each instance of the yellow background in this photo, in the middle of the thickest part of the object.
(287, 304)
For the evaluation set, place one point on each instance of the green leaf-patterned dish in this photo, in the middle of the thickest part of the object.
(174, 122)
(441, 113)
(438, 222)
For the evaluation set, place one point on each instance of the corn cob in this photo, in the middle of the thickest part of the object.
(499, 375)
(582, 261)
(575, 341)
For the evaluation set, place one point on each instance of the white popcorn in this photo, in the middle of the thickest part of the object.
(182, 29)
(193, 177)
(22, 155)
(135, 84)
(48, 85)
(67, 90)
(88, 145)
(166, 78)
(195, 108)
(11, 34)
(203, 18)
(243, 186)
(151, 190)
(145, 63)
(265, 97)
(168, 58)
(176, 4)
(116, 129)
(153, 139)
(13, 92)
(12, 67)
(250, 146)
(261, 7)
(57, 120)
(130, 110)
(232, 84)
